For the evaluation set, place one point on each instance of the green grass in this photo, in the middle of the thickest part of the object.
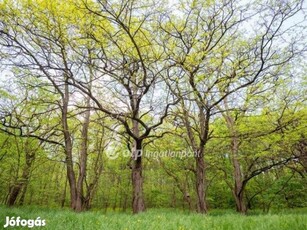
(159, 219)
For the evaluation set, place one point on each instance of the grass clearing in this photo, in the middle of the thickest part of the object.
(158, 219)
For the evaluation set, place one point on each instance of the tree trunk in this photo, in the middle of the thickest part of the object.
(138, 204)
(238, 189)
(22, 183)
(83, 160)
(199, 152)
(68, 149)
(13, 194)
(239, 198)
(98, 167)
(23, 194)
(81, 202)
(70, 172)
(200, 182)
(93, 185)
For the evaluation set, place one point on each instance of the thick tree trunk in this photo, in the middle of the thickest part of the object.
(13, 194)
(239, 198)
(138, 204)
(200, 182)
(204, 118)
(71, 180)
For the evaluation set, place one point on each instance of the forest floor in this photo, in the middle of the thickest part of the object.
(165, 219)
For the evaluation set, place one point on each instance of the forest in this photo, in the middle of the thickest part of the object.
(129, 106)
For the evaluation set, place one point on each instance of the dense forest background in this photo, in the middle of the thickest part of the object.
(130, 104)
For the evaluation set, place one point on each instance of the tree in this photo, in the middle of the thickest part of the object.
(215, 57)
(134, 66)
(44, 50)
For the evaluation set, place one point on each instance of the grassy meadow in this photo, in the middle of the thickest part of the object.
(159, 219)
